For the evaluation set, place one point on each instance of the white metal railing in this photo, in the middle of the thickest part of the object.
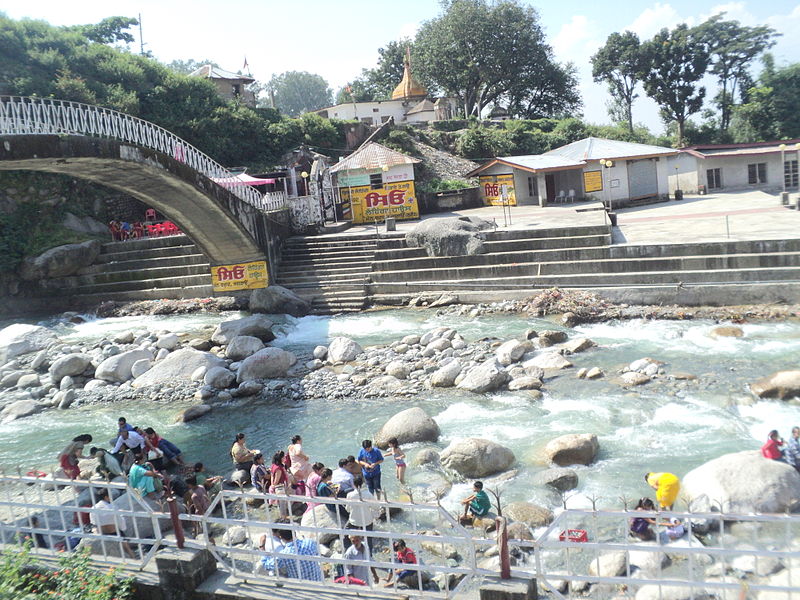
(24, 115)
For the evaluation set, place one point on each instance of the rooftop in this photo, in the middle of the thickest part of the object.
(754, 148)
(535, 163)
(212, 72)
(373, 156)
(593, 148)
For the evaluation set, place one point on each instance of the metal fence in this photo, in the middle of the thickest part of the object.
(23, 115)
(580, 550)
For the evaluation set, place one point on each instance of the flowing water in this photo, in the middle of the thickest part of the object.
(652, 428)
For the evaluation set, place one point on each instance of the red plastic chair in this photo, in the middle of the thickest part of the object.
(152, 230)
(150, 214)
(172, 229)
(162, 229)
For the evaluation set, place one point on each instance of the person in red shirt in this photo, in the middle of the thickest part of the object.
(406, 556)
(772, 448)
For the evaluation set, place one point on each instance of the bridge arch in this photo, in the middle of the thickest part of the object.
(228, 224)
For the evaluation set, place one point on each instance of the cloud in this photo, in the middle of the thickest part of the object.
(653, 19)
(572, 40)
(408, 30)
(787, 48)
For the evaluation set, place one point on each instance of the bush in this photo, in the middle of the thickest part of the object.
(443, 185)
(401, 141)
(482, 143)
(450, 125)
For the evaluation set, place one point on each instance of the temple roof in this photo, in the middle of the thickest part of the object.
(408, 88)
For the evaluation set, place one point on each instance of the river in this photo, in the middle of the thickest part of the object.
(651, 428)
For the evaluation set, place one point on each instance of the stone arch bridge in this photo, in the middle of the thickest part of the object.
(229, 224)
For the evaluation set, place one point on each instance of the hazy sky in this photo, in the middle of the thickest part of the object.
(338, 39)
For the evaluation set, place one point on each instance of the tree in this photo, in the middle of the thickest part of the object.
(481, 52)
(674, 62)
(189, 65)
(108, 31)
(619, 64)
(732, 47)
(297, 92)
(545, 89)
(379, 82)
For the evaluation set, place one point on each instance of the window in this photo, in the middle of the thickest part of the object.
(757, 173)
(366, 120)
(714, 178)
(385, 118)
(790, 173)
(374, 110)
(532, 188)
(376, 181)
(236, 89)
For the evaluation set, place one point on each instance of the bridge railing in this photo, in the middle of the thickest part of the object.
(24, 115)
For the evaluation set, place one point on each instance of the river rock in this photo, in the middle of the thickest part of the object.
(572, 449)
(411, 339)
(168, 341)
(646, 365)
(320, 352)
(320, 516)
(511, 351)
(193, 412)
(781, 385)
(118, 368)
(446, 376)
(19, 409)
(399, 369)
(161, 354)
(60, 261)
(255, 325)
(234, 535)
(744, 482)
(19, 339)
(529, 513)
(28, 380)
(426, 456)
(247, 388)
(343, 349)
(633, 378)
(144, 525)
(550, 337)
(438, 345)
(243, 346)
(64, 399)
(449, 236)
(608, 564)
(94, 384)
(727, 331)
(525, 383)
(409, 426)
(219, 377)
(576, 345)
(649, 562)
(266, 364)
(594, 373)
(177, 367)
(671, 592)
(519, 531)
(475, 458)
(140, 367)
(548, 361)
(486, 377)
(276, 299)
(561, 479)
(200, 344)
(124, 337)
(69, 365)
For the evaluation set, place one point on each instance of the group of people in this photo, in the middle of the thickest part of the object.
(776, 448)
(123, 230)
(667, 487)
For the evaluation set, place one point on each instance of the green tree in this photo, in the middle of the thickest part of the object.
(108, 31)
(619, 64)
(379, 82)
(733, 47)
(545, 89)
(674, 62)
(297, 92)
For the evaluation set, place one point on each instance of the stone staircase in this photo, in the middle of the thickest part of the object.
(146, 269)
(329, 271)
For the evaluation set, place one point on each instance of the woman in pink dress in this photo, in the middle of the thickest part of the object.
(313, 482)
(300, 466)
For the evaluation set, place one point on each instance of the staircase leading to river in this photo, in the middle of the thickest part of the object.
(146, 269)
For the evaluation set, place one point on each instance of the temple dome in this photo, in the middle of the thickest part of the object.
(408, 88)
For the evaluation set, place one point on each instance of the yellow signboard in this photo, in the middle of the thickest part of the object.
(397, 200)
(593, 181)
(244, 276)
(492, 188)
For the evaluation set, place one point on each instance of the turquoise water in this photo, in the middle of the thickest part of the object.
(651, 428)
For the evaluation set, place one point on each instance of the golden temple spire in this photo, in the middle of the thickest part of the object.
(408, 88)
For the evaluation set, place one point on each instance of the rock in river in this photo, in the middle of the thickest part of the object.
(781, 385)
(572, 449)
(475, 457)
(409, 426)
(178, 367)
(255, 325)
(486, 377)
(265, 364)
(343, 349)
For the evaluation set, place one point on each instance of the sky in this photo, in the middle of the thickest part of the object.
(338, 39)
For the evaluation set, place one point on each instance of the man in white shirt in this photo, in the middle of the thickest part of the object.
(107, 521)
(362, 516)
(129, 439)
(342, 477)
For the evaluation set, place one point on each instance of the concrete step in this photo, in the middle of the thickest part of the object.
(144, 254)
(146, 243)
(322, 259)
(134, 275)
(598, 266)
(192, 291)
(324, 272)
(138, 284)
(145, 263)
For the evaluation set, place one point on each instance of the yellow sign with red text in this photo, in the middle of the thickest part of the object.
(244, 276)
(397, 200)
(492, 190)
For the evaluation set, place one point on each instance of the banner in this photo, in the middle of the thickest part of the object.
(244, 276)
(592, 181)
(492, 190)
(397, 200)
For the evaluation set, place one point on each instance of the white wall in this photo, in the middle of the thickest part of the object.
(734, 170)
(683, 171)
(373, 111)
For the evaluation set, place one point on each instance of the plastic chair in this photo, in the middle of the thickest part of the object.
(562, 197)
(171, 228)
(162, 229)
(150, 214)
(571, 195)
(152, 230)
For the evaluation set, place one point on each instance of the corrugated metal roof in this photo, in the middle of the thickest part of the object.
(531, 162)
(593, 148)
(373, 156)
(727, 151)
(212, 72)
(424, 106)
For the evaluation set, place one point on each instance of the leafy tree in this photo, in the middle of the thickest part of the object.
(378, 83)
(619, 64)
(674, 62)
(189, 65)
(545, 89)
(733, 47)
(108, 31)
(297, 92)
(754, 120)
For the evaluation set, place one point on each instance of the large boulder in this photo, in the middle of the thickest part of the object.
(743, 482)
(278, 300)
(529, 513)
(572, 449)
(60, 261)
(409, 426)
(219, 378)
(193, 412)
(178, 367)
(548, 361)
(446, 376)
(265, 364)
(144, 525)
(511, 351)
(781, 385)
(69, 365)
(609, 564)
(19, 339)
(486, 377)
(243, 346)
(255, 325)
(118, 368)
(19, 409)
(321, 516)
(559, 478)
(450, 236)
(85, 224)
(343, 349)
(475, 457)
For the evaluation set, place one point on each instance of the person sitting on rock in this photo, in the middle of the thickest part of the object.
(144, 478)
(106, 520)
(404, 555)
(172, 454)
(792, 453)
(667, 487)
(640, 526)
(107, 466)
(478, 503)
(242, 456)
(772, 447)
(213, 484)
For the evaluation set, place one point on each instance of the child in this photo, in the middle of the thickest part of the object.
(405, 556)
(640, 526)
(478, 503)
(399, 459)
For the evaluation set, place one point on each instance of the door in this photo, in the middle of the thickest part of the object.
(642, 178)
(550, 187)
(714, 178)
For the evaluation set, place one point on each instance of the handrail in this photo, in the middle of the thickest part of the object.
(26, 115)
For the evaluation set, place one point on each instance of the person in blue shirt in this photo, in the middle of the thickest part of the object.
(370, 459)
(295, 568)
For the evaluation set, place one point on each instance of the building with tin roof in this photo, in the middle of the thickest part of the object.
(231, 86)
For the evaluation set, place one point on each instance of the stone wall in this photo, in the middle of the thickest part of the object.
(452, 200)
